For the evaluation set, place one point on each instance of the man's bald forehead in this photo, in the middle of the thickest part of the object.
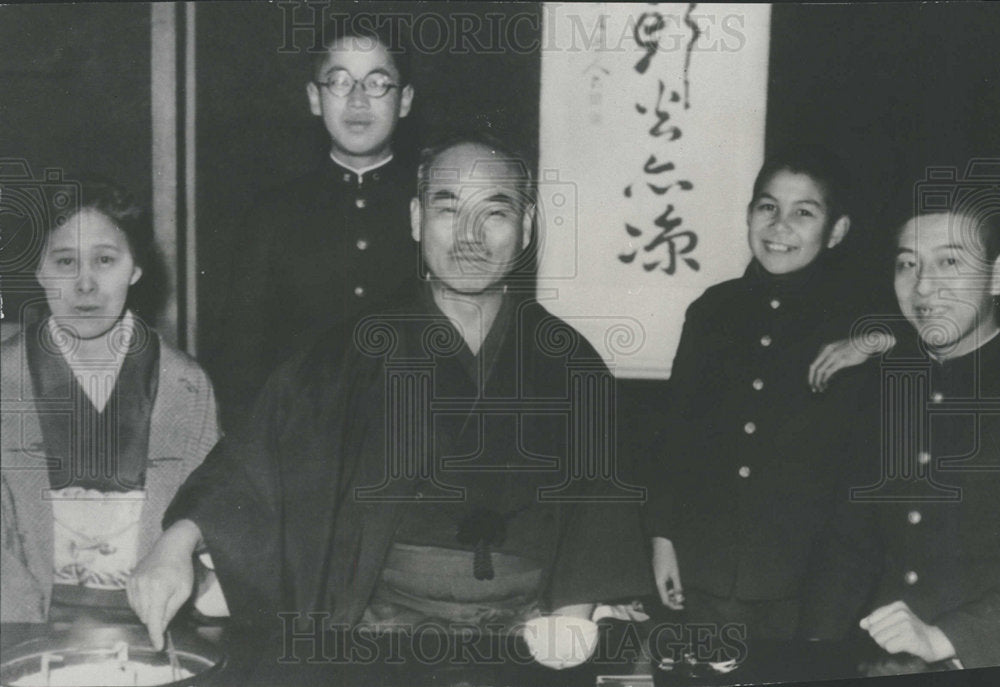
(476, 161)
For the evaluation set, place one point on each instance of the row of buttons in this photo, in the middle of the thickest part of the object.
(765, 340)
(913, 517)
(758, 384)
(361, 244)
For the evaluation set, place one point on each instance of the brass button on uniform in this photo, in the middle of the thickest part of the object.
(911, 577)
(744, 471)
(361, 244)
(758, 384)
(347, 177)
(749, 428)
(775, 304)
(360, 203)
(937, 397)
(359, 291)
(914, 517)
(765, 341)
(923, 458)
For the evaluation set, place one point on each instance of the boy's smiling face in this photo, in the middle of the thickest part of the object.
(789, 223)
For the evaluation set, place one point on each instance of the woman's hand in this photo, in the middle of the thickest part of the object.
(897, 629)
(667, 574)
(164, 579)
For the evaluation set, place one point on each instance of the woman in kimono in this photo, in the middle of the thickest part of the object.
(102, 420)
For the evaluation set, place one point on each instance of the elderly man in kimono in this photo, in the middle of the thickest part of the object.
(449, 463)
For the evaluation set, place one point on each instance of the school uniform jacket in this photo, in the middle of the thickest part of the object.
(922, 524)
(183, 428)
(308, 256)
(748, 473)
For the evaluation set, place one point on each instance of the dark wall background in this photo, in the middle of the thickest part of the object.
(74, 97)
(894, 88)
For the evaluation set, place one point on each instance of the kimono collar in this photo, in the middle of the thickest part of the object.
(81, 457)
(500, 329)
(123, 330)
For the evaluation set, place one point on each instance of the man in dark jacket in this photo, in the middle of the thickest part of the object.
(919, 539)
(440, 469)
(320, 250)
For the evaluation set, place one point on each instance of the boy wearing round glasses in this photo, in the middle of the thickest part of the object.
(361, 94)
(334, 242)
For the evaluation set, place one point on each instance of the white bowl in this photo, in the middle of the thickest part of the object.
(560, 641)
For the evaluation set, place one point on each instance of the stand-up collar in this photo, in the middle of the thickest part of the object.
(347, 174)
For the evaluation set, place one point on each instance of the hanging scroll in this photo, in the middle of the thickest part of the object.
(652, 129)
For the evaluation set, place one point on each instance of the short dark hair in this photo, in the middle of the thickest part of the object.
(985, 228)
(981, 209)
(121, 207)
(504, 151)
(391, 35)
(149, 295)
(819, 163)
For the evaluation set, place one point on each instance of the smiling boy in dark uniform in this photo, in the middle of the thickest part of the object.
(748, 479)
(331, 243)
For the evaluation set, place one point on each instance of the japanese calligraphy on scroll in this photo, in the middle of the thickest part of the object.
(652, 126)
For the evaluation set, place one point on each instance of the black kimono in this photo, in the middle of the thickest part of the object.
(308, 256)
(753, 457)
(347, 450)
(922, 524)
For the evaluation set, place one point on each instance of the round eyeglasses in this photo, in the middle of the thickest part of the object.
(340, 83)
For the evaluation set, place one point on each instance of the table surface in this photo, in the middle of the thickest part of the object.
(431, 658)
